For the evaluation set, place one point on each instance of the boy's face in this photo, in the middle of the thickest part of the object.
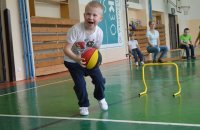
(132, 37)
(186, 32)
(92, 17)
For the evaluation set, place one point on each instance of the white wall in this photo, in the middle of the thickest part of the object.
(44, 9)
(159, 5)
(74, 4)
(194, 18)
(139, 11)
(195, 9)
(47, 10)
(12, 5)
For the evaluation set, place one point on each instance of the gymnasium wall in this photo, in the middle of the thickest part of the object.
(133, 14)
(110, 54)
(12, 5)
(193, 21)
(45, 9)
(138, 11)
(194, 10)
(194, 28)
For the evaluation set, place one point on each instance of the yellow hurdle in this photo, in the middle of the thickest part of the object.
(157, 64)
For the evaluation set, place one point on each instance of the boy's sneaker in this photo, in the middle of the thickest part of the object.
(136, 63)
(193, 57)
(188, 58)
(84, 111)
(142, 62)
(103, 104)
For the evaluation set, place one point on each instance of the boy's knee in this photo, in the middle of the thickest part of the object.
(79, 85)
(99, 81)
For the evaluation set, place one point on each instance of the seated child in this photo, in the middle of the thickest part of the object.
(135, 50)
(186, 43)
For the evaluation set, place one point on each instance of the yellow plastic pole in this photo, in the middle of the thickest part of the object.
(160, 64)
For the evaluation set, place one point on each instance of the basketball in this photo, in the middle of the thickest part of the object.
(92, 58)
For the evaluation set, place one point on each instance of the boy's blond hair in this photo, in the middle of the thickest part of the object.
(94, 4)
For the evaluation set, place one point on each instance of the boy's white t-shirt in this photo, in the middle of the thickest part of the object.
(153, 37)
(133, 44)
(78, 34)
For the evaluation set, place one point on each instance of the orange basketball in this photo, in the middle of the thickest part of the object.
(92, 58)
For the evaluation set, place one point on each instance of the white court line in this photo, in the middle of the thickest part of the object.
(104, 120)
(35, 87)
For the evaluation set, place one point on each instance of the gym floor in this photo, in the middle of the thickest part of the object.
(50, 103)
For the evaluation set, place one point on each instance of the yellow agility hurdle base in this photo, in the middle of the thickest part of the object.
(160, 64)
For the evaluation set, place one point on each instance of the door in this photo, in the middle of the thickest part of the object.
(173, 32)
(2, 61)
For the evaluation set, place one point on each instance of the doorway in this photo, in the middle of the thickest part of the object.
(2, 61)
(173, 32)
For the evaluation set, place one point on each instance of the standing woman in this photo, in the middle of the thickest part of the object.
(154, 43)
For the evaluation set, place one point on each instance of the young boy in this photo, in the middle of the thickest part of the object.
(186, 43)
(135, 50)
(79, 37)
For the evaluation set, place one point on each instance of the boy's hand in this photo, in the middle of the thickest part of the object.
(186, 43)
(81, 61)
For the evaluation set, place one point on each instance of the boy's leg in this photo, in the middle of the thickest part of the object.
(134, 53)
(77, 74)
(187, 50)
(192, 51)
(139, 54)
(99, 82)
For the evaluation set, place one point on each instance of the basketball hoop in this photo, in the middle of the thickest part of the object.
(185, 9)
